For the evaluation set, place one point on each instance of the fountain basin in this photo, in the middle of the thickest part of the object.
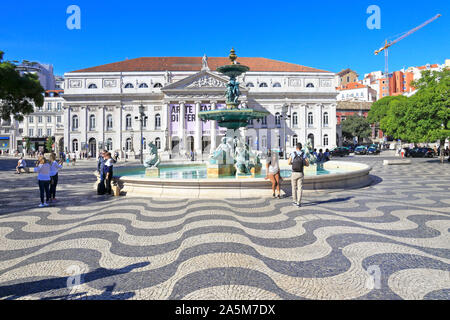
(341, 175)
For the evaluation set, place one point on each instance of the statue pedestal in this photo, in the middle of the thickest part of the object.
(312, 169)
(244, 175)
(256, 169)
(152, 172)
(217, 170)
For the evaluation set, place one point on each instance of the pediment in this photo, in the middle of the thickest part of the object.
(202, 81)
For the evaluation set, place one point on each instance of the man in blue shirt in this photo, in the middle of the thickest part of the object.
(298, 160)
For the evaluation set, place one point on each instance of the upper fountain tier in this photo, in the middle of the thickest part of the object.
(234, 69)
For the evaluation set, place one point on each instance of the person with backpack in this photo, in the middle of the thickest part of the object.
(298, 160)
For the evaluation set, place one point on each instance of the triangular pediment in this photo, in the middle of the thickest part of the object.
(201, 81)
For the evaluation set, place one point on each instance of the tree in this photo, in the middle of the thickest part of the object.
(49, 144)
(356, 126)
(18, 92)
(27, 144)
(379, 109)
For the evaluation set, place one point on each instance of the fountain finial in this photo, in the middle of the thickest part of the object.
(232, 56)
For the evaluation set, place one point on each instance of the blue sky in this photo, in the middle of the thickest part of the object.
(330, 35)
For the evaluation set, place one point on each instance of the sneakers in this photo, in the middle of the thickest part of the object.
(273, 194)
(46, 204)
(279, 196)
(296, 204)
(41, 205)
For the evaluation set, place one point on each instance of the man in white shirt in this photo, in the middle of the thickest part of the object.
(21, 164)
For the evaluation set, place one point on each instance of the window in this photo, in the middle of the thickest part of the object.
(325, 119)
(277, 85)
(39, 108)
(129, 86)
(325, 140)
(143, 85)
(109, 122)
(40, 119)
(128, 144)
(74, 145)
(49, 132)
(158, 143)
(277, 119)
(30, 132)
(49, 119)
(263, 85)
(310, 119)
(294, 140)
(144, 143)
(250, 122)
(343, 118)
(294, 119)
(263, 142)
(348, 79)
(109, 145)
(58, 106)
(74, 122)
(31, 119)
(157, 85)
(49, 106)
(128, 121)
(157, 121)
(39, 132)
(250, 85)
(91, 86)
(144, 121)
(310, 85)
(58, 119)
(91, 122)
(264, 121)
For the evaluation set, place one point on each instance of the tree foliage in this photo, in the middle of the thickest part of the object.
(49, 144)
(356, 126)
(379, 108)
(18, 92)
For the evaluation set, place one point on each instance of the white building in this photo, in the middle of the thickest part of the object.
(102, 103)
(355, 91)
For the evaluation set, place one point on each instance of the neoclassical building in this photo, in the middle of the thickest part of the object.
(101, 108)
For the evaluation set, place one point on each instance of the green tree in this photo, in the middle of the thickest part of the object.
(356, 126)
(49, 144)
(27, 144)
(18, 92)
(379, 109)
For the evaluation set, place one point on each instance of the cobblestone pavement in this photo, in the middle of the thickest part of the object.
(389, 240)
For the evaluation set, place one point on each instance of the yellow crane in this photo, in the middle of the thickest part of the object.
(387, 44)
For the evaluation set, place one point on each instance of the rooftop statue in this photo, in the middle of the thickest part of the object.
(152, 160)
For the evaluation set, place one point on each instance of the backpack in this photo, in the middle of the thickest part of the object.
(297, 163)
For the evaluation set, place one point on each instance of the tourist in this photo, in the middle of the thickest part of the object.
(273, 172)
(298, 160)
(54, 167)
(101, 172)
(116, 156)
(108, 172)
(43, 170)
(68, 157)
(21, 164)
(74, 158)
(326, 155)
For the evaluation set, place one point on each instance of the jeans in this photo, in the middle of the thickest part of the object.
(44, 185)
(297, 186)
(108, 185)
(53, 184)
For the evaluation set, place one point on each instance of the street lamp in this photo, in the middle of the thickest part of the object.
(284, 111)
(141, 119)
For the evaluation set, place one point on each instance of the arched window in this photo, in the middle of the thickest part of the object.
(143, 85)
(277, 119)
(129, 85)
(294, 140)
(325, 140)
(128, 144)
(92, 86)
(263, 85)
(128, 121)
(250, 85)
(264, 121)
(325, 119)
(91, 122)
(157, 121)
(158, 143)
(310, 119)
(310, 85)
(109, 122)
(157, 85)
(74, 145)
(144, 121)
(277, 85)
(74, 122)
(109, 145)
(294, 119)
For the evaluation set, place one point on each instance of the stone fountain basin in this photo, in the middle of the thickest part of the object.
(356, 177)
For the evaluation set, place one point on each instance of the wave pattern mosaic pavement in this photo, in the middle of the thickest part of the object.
(389, 240)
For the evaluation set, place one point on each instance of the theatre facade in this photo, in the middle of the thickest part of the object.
(101, 109)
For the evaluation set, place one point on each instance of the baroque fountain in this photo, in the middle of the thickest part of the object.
(231, 161)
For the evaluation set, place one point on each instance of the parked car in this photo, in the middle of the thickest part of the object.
(339, 152)
(361, 150)
(373, 150)
(421, 153)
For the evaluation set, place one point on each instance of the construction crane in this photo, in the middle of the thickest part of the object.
(387, 44)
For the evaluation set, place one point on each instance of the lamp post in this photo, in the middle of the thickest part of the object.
(141, 119)
(284, 115)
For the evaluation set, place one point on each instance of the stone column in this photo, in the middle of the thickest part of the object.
(167, 130)
(213, 130)
(198, 130)
(182, 127)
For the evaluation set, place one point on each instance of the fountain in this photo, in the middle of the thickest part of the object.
(233, 155)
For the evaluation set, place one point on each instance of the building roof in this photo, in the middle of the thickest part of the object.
(428, 66)
(352, 85)
(353, 105)
(345, 71)
(195, 64)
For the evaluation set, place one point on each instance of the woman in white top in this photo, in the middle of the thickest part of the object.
(43, 170)
(54, 167)
(273, 172)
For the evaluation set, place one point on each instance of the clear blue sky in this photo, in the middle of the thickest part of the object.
(325, 34)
